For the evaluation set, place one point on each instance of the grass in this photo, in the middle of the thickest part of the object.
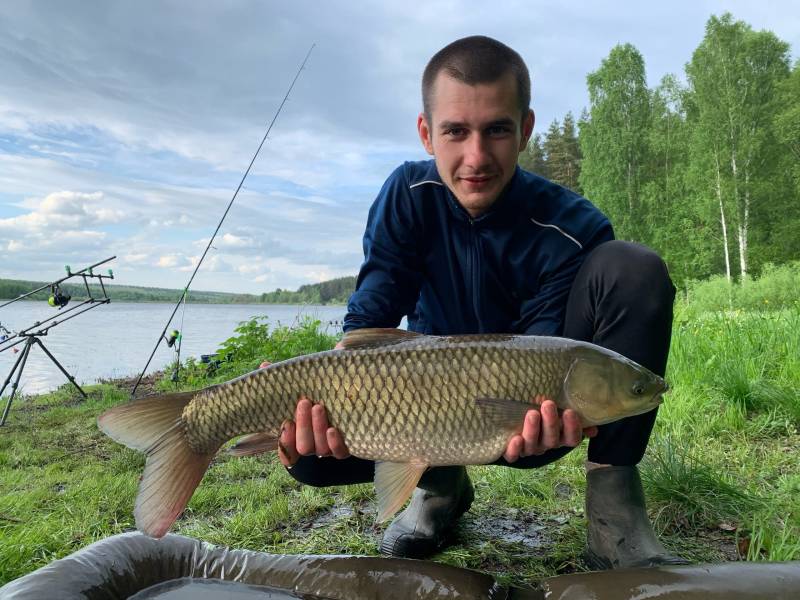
(720, 474)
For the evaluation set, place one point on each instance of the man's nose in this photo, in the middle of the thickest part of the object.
(476, 153)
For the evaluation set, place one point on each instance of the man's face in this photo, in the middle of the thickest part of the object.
(475, 133)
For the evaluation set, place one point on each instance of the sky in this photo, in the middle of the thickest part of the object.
(125, 127)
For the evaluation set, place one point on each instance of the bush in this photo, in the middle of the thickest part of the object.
(252, 344)
(776, 288)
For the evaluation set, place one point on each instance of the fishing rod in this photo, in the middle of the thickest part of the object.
(162, 336)
(70, 274)
(31, 336)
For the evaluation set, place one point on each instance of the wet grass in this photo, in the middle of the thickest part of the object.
(720, 474)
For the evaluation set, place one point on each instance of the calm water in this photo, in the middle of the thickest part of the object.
(116, 339)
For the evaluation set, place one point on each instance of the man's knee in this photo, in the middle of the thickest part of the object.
(635, 271)
(329, 471)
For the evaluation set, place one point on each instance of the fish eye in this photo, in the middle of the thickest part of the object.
(638, 388)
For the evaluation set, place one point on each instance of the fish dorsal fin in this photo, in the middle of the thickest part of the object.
(504, 413)
(394, 483)
(376, 336)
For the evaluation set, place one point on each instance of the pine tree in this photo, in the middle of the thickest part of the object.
(533, 159)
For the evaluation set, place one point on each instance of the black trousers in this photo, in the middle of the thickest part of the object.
(621, 299)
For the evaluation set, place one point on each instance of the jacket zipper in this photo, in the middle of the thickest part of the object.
(475, 270)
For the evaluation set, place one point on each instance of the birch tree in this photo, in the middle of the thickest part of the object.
(733, 76)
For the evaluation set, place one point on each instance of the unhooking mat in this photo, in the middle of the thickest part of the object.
(133, 566)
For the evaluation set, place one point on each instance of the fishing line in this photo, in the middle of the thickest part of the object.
(175, 340)
(219, 225)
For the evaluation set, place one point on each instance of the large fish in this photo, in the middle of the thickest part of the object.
(405, 400)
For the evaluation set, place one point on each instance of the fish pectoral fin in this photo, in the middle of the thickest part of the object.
(502, 412)
(254, 444)
(394, 483)
(375, 336)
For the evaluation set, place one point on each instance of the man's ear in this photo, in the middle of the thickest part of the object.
(425, 133)
(527, 129)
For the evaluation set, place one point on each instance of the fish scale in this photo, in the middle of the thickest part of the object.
(395, 403)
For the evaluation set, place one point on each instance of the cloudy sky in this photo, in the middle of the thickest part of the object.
(126, 126)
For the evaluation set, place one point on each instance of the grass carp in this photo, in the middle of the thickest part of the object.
(406, 400)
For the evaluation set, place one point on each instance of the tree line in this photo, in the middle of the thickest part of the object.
(335, 291)
(704, 170)
(14, 288)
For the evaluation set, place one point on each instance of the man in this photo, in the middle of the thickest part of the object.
(470, 243)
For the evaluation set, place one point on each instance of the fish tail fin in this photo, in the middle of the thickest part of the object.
(173, 470)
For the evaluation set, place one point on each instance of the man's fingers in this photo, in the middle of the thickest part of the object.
(551, 426)
(590, 432)
(304, 431)
(571, 430)
(319, 423)
(530, 433)
(514, 448)
(287, 450)
(336, 443)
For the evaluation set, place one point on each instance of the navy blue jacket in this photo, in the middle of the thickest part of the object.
(507, 271)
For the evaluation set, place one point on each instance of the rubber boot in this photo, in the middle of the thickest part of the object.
(619, 530)
(443, 494)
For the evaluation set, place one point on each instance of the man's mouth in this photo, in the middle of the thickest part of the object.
(477, 179)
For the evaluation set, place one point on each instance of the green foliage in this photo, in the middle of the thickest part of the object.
(787, 121)
(707, 174)
(690, 492)
(614, 141)
(13, 288)
(334, 291)
(734, 79)
(534, 158)
(253, 343)
(776, 288)
(557, 156)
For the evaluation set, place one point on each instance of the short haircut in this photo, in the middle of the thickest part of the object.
(473, 60)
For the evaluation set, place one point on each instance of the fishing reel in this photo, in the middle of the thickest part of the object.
(172, 337)
(58, 298)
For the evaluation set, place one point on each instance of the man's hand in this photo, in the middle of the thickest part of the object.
(544, 430)
(309, 433)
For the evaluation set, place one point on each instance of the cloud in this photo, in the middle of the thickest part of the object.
(172, 260)
(62, 212)
(131, 140)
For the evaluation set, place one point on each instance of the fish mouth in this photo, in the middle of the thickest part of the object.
(658, 397)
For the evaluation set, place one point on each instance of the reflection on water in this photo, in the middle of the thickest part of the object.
(115, 340)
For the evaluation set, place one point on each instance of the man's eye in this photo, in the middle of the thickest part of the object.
(456, 132)
(498, 130)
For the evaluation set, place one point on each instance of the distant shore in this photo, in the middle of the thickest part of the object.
(326, 293)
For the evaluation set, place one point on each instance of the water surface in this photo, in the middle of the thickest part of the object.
(115, 340)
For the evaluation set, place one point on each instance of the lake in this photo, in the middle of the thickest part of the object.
(115, 340)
